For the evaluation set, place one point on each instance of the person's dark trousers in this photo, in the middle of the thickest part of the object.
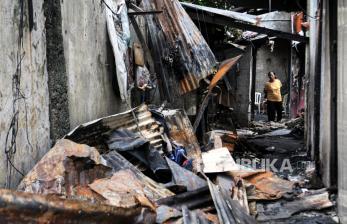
(274, 108)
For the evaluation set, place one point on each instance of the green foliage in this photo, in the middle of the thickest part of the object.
(222, 4)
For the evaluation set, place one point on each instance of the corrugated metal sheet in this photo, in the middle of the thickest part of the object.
(229, 211)
(178, 44)
(273, 20)
(181, 131)
(259, 24)
(246, 18)
(139, 120)
(222, 71)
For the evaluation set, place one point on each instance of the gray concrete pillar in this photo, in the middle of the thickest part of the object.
(342, 110)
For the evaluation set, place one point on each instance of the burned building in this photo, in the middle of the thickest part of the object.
(153, 111)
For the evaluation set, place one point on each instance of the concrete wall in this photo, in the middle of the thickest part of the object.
(57, 77)
(33, 126)
(277, 20)
(326, 127)
(89, 62)
(66, 76)
(297, 90)
(239, 79)
(242, 93)
(312, 95)
(276, 61)
(342, 110)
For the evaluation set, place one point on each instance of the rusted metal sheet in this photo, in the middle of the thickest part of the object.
(21, 207)
(224, 68)
(152, 189)
(138, 120)
(123, 189)
(267, 185)
(181, 131)
(66, 166)
(178, 44)
(260, 24)
(285, 209)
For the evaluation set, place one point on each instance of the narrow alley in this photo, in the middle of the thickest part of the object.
(168, 111)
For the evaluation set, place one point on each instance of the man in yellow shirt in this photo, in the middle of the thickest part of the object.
(274, 98)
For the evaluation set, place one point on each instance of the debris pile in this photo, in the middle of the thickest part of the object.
(146, 166)
(289, 187)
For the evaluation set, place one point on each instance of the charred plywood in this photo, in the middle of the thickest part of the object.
(178, 45)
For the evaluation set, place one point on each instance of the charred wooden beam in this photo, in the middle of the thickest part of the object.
(20, 207)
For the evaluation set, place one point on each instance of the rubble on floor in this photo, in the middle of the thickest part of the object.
(283, 196)
(146, 166)
(285, 209)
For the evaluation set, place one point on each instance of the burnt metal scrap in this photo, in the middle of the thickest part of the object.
(184, 177)
(196, 216)
(243, 21)
(123, 189)
(178, 46)
(224, 68)
(21, 207)
(132, 144)
(66, 166)
(152, 189)
(96, 185)
(138, 120)
(229, 211)
(316, 201)
(144, 124)
(146, 165)
(180, 130)
(197, 199)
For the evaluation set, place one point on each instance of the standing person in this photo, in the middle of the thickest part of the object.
(274, 98)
